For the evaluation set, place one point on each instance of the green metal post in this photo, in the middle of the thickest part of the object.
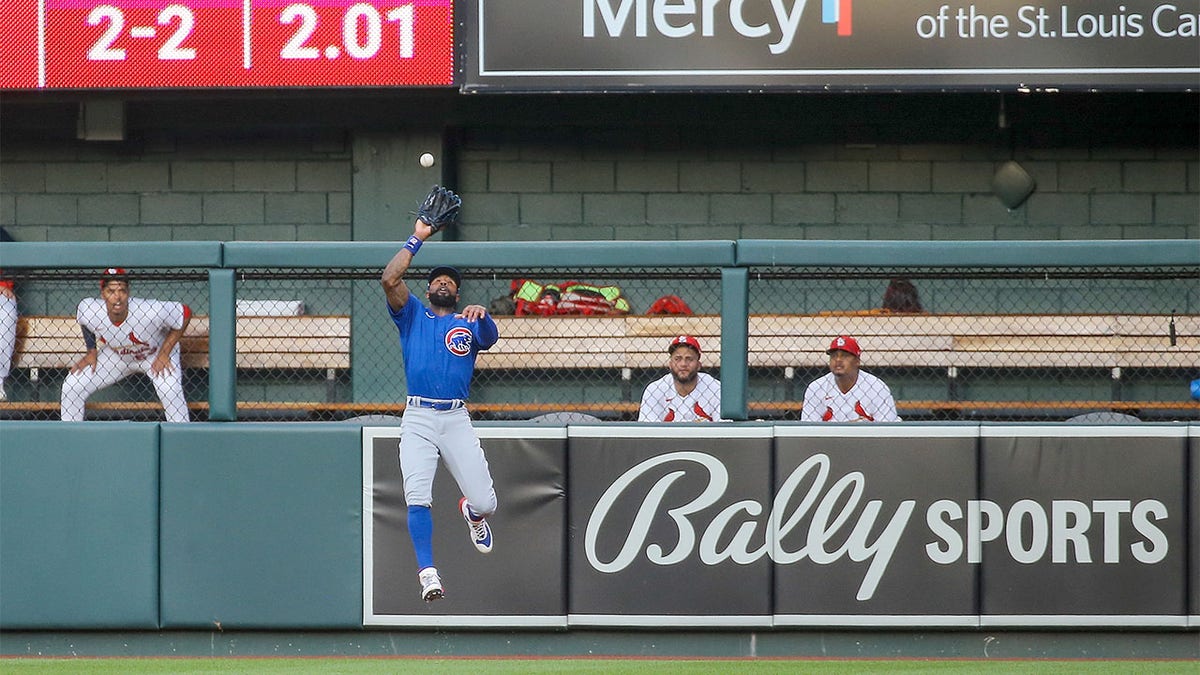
(222, 345)
(735, 341)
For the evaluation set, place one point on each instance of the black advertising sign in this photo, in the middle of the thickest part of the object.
(520, 583)
(669, 526)
(874, 525)
(1083, 525)
(760, 525)
(602, 45)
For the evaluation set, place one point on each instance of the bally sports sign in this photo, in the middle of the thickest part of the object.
(763, 525)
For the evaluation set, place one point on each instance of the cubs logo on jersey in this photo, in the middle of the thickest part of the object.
(458, 340)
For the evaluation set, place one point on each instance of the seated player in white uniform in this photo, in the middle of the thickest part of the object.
(123, 336)
(684, 394)
(846, 393)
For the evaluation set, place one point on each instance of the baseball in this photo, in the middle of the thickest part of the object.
(427, 160)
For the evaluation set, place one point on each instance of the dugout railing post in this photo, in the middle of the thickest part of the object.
(222, 345)
(735, 341)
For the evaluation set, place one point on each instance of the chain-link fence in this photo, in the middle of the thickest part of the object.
(49, 344)
(985, 344)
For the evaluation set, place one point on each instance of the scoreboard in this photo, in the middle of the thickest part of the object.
(149, 44)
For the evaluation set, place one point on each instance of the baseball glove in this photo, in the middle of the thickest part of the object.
(440, 208)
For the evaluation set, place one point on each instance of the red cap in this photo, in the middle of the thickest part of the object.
(683, 340)
(844, 343)
(113, 274)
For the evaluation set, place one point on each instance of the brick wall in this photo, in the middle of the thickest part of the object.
(521, 188)
(617, 168)
(215, 189)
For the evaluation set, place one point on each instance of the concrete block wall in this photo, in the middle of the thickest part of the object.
(611, 168)
(519, 186)
(209, 189)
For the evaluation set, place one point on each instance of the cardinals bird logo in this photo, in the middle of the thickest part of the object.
(858, 408)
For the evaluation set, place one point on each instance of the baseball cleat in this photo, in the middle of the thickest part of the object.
(431, 584)
(481, 534)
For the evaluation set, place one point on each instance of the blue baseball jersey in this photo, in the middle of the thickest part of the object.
(439, 351)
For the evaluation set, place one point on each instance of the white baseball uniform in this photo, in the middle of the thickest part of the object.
(661, 403)
(869, 400)
(8, 334)
(125, 349)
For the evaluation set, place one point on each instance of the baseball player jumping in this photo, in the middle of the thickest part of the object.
(123, 336)
(439, 347)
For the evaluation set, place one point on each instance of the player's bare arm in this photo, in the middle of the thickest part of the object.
(162, 360)
(88, 361)
(392, 279)
(473, 312)
(89, 358)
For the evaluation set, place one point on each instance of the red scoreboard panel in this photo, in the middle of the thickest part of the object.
(148, 44)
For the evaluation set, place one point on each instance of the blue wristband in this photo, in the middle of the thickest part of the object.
(413, 244)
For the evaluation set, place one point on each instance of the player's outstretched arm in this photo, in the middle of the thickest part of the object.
(392, 278)
(473, 312)
(487, 332)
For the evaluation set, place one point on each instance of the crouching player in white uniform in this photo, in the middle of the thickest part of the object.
(439, 348)
(8, 331)
(123, 336)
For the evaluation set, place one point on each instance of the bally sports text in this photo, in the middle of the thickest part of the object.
(840, 524)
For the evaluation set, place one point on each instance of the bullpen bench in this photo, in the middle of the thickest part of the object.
(945, 342)
(320, 343)
(891, 340)
(625, 344)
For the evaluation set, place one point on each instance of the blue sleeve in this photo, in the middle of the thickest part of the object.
(403, 318)
(487, 332)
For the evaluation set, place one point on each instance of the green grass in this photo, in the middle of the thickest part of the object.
(615, 666)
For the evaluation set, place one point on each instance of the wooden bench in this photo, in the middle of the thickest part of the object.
(283, 342)
(888, 340)
(319, 343)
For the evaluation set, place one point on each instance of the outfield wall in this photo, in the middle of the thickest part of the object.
(294, 526)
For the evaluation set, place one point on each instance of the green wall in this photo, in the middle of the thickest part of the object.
(261, 525)
(332, 166)
(79, 525)
(248, 526)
